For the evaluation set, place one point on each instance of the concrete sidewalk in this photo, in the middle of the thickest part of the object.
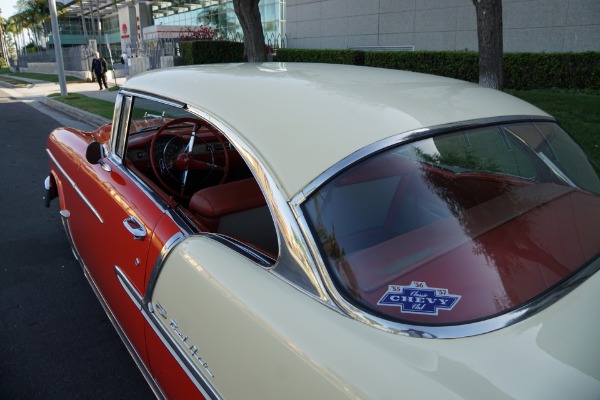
(38, 91)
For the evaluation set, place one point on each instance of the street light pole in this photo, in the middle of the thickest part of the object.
(58, 49)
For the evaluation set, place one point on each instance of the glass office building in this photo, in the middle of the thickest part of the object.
(217, 14)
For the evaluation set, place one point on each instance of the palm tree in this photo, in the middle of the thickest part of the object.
(10, 30)
(34, 18)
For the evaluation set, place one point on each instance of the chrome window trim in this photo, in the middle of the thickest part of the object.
(158, 264)
(124, 103)
(75, 187)
(158, 201)
(149, 96)
(406, 137)
(123, 112)
(295, 253)
(292, 247)
(120, 131)
(117, 120)
(235, 245)
(415, 330)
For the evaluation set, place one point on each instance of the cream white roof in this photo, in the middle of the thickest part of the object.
(301, 119)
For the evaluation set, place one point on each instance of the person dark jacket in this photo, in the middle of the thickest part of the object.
(99, 66)
(99, 69)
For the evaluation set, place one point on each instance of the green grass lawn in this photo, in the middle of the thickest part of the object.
(40, 77)
(14, 82)
(100, 107)
(577, 111)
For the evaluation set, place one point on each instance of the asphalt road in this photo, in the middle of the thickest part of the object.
(55, 340)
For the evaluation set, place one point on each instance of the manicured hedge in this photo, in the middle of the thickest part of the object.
(521, 70)
(210, 52)
(552, 70)
(455, 64)
(351, 57)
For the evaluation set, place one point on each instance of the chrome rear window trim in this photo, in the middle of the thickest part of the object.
(490, 324)
(402, 138)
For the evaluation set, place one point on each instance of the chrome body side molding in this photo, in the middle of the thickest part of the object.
(64, 216)
(136, 357)
(75, 187)
(182, 357)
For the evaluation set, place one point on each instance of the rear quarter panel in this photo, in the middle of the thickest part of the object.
(261, 338)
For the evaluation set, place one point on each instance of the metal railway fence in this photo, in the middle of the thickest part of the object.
(79, 58)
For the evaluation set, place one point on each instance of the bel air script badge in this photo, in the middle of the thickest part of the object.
(418, 298)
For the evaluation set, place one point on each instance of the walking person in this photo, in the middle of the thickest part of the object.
(99, 69)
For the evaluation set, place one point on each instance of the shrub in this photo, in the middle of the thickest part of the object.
(211, 52)
(351, 57)
(552, 70)
(454, 64)
(521, 70)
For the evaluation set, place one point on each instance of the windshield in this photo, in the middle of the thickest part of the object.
(461, 226)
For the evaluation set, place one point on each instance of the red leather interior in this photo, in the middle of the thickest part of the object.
(216, 201)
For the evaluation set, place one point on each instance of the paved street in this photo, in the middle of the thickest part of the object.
(55, 340)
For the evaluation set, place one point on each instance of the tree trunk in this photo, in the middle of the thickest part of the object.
(489, 37)
(248, 14)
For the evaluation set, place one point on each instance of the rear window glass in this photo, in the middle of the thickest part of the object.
(459, 227)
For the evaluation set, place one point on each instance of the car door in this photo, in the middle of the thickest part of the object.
(114, 245)
(114, 235)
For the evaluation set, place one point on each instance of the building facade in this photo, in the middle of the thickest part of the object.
(126, 26)
(148, 31)
(529, 25)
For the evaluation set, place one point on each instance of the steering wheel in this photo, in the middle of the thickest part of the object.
(183, 160)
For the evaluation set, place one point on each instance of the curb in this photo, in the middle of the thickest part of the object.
(76, 113)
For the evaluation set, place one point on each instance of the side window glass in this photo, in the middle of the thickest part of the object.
(569, 157)
(487, 149)
(473, 222)
(193, 167)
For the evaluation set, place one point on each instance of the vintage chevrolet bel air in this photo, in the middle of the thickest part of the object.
(298, 231)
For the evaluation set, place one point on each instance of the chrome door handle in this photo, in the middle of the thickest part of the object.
(136, 228)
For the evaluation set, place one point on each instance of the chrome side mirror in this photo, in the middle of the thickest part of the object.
(94, 154)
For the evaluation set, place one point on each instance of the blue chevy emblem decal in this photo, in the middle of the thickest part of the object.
(418, 298)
